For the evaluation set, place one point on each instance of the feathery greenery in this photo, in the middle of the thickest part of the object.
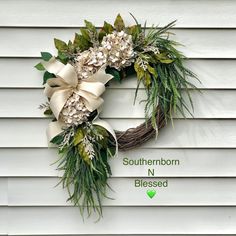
(85, 178)
(163, 74)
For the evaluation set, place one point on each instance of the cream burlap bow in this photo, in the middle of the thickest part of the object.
(59, 89)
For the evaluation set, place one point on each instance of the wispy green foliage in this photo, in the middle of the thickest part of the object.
(160, 66)
(85, 178)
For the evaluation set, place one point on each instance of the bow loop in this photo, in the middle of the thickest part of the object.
(58, 100)
(68, 74)
(95, 88)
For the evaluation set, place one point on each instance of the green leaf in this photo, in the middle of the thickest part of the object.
(139, 71)
(40, 67)
(166, 61)
(115, 73)
(48, 112)
(101, 130)
(81, 42)
(129, 70)
(57, 140)
(163, 58)
(70, 44)
(60, 45)
(134, 30)
(71, 48)
(108, 28)
(91, 35)
(90, 26)
(63, 57)
(85, 34)
(147, 79)
(119, 23)
(46, 56)
(78, 137)
(101, 34)
(47, 76)
(152, 71)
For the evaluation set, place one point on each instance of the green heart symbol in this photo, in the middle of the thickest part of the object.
(151, 193)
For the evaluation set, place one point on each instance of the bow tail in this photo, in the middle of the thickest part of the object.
(54, 129)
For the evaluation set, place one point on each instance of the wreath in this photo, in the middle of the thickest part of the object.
(76, 78)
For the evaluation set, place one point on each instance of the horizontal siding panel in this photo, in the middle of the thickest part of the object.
(207, 104)
(207, 192)
(214, 74)
(184, 134)
(117, 220)
(192, 163)
(72, 13)
(4, 221)
(199, 43)
(3, 193)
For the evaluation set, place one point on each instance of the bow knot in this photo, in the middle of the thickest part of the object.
(59, 89)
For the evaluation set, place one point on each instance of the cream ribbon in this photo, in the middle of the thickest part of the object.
(59, 89)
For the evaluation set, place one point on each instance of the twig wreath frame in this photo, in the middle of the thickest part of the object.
(74, 81)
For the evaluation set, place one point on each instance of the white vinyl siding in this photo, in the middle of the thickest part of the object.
(201, 194)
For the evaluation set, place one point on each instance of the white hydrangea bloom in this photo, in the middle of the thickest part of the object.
(119, 48)
(74, 111)
(89, 62)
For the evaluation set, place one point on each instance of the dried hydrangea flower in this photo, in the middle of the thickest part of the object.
(74, 111)
(153, 49)
(90, 61)
(119, 47)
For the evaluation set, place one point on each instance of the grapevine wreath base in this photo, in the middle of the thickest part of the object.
(134, 137)
(76, 78)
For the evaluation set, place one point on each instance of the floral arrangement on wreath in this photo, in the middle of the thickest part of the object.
(76, 78)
